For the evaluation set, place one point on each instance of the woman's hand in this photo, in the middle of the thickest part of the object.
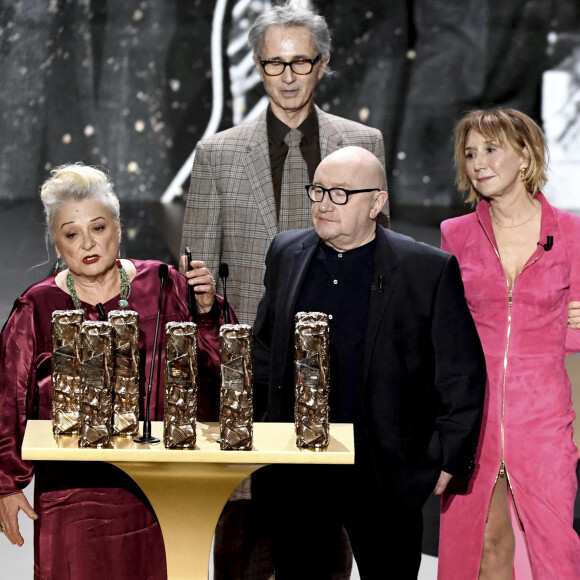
(9, 508)
(202, 281)
(574, 315)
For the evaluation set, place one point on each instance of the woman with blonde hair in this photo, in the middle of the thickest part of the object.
(520, 264)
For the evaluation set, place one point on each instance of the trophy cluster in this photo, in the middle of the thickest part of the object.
(95, 376)
(95, 380)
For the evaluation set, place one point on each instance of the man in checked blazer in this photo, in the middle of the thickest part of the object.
(236, 202)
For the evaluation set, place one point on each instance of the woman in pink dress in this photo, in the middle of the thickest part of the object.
(91, 520)
(520, 263)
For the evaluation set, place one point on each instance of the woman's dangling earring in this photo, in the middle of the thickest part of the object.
(59, 265)
(523, 173)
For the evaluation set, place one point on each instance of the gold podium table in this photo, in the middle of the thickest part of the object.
(188, 488)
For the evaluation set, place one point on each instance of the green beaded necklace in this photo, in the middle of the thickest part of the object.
(124, 293)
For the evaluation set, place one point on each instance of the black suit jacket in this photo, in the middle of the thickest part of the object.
(424, 370)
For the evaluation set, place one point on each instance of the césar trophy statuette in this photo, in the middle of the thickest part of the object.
(311, 411)
(180, 377)
(66, 379)
(125, 325)
(96, 354)
(236, 392)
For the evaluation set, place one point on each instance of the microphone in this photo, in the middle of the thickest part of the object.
(224, 272)
(549, 243)
(380, 287)
(147, 437)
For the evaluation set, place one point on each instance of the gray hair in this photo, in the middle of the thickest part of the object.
(291, 14)
(76, 182)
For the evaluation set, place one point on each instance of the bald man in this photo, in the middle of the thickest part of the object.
(406, 368)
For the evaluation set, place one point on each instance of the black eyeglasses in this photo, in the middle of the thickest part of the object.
(300, 66)
(337, 195)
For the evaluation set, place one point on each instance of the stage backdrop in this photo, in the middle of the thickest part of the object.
(133, 84)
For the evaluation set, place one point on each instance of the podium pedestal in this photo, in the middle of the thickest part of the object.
(188, 488)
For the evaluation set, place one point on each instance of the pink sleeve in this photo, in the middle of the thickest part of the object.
(445, 246)
(573, 243)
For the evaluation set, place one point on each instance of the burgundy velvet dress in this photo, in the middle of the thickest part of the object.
(93, 521)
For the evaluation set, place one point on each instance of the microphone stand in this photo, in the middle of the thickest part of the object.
(147, 437)
(224, 272)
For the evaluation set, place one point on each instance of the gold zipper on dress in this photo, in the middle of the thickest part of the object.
(502, 467)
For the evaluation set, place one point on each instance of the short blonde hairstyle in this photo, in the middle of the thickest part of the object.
(75, 183)
(503, 126)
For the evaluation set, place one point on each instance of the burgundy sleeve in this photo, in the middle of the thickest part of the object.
(208, 368)
(17, 382)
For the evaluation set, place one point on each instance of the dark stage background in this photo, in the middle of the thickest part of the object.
(133, 84)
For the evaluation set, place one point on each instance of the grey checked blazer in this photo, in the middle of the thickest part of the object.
(230, 214)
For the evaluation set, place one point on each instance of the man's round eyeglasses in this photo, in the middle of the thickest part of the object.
(300, 66)
(337, 195)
